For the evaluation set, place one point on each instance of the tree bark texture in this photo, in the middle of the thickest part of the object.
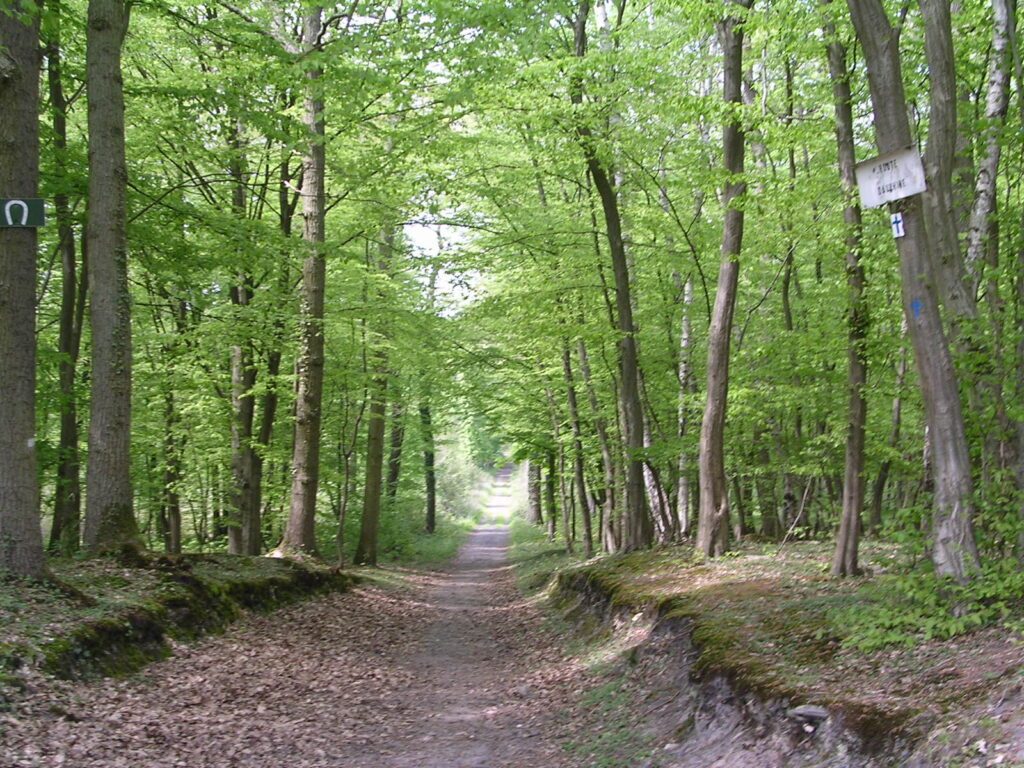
(109, 516)
(844, 562)
(21, 540)
(300, 531)
(939, 204)
(713, 523)
(954, 550)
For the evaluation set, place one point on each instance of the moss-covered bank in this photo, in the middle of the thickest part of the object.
(768, 631)
(110, 616)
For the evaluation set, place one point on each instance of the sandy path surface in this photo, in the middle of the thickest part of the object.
(451, 670)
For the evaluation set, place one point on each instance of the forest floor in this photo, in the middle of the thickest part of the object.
(433, 669)
(466, 666)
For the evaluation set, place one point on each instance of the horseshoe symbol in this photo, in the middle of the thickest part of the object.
(9, 212)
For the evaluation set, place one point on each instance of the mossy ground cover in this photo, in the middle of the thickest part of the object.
(103, 616)
(774, 623)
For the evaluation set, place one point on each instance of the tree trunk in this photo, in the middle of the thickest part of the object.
(109, 517)
(764, 484)
(996, 103)
(844, 562)
(395, 452)
(170, 498)
(637, 531)
(534, 513)
(300, 532)
(245, 498)
(549, 494)
(577, 452)
(682, 412)
(67, 511)
(609, 535)
(938, 204)
(429, 473)
(366, 550)
(878, 489)
(713, 525)
(740, 522)
(21, 540)
(955, 552)
(244, 460)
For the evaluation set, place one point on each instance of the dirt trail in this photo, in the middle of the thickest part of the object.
(452, 672)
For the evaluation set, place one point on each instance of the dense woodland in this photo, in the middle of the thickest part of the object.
(307, 263)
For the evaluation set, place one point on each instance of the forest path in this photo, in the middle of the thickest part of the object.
(450, 669)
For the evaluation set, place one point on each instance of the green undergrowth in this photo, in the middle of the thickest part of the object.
(416, 547)
(535, 557)
(402, 538)
(102, 616)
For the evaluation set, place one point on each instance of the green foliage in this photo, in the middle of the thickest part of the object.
(535, 557)
(919, 606)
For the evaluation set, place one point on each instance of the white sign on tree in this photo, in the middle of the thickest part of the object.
(889, 177)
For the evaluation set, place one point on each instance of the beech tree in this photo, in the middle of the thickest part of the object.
(844, 563)
(109, 513)
(21, 541)
(300, 532)
(598, 276)
(713, 526)
(954, 550)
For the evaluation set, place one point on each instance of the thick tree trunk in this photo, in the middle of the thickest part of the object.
(713, 524)
(67, 510)
(955, 552)
(429, 472)
(938, 203)
(959, 268)
(109, 517)
(21, 540)
(844, 562)
(243, 530)
(300, 532)
(366, 550)
(245, 497)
